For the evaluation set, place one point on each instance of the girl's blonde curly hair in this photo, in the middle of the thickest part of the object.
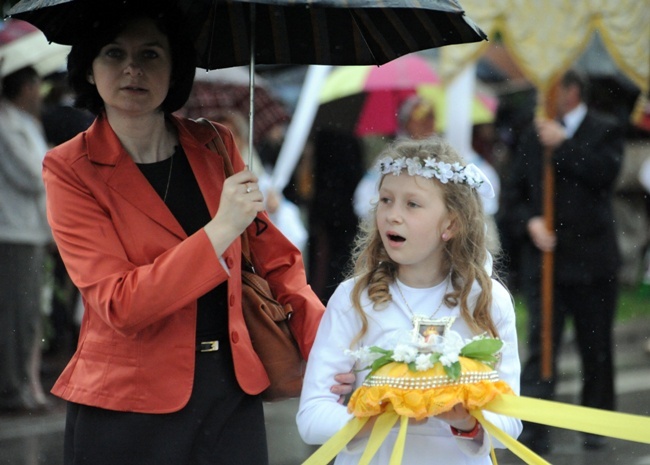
(466, 253)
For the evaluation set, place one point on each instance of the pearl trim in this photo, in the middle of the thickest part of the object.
(431, 382)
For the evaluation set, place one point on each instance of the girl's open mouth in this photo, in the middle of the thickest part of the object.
(395, 238)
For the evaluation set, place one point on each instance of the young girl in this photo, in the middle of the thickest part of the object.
(422, 255)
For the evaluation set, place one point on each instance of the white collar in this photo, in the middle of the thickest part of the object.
(573, 119)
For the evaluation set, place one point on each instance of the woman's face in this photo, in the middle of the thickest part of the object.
(133, 72)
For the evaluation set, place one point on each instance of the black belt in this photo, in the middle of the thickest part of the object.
(207, 346)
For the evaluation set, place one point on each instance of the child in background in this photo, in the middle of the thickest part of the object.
(422, 254)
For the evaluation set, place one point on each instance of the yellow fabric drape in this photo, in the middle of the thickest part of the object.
(545, 38)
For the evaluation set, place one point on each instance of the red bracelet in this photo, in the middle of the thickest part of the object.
(471, 434)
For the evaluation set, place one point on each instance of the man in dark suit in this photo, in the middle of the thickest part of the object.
(587, 151)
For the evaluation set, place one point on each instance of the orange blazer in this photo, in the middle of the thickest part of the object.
(140, 275)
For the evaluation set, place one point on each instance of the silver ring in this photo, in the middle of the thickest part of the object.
(248, 189)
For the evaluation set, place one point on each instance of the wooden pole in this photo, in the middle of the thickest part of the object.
(548, 261)
(547, 272)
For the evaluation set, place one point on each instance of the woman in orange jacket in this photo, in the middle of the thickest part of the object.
(149, 229)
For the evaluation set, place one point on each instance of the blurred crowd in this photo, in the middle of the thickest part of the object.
(319, 210)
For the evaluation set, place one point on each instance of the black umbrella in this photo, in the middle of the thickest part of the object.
(336, 32)
(245, 32)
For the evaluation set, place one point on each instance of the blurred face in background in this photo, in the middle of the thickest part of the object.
(568, 97)
(422, 122)
(33, 98)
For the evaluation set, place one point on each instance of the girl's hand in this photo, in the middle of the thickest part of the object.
(458, 417)
(240, 202)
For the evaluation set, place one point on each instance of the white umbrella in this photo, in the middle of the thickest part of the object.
(22, 44)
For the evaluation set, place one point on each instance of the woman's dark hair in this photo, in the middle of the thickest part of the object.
(106, 25)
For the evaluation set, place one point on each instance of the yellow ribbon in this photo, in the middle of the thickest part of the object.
(335, 444)
(380, 430)
(574, 417)
(398, 447)
(515, 446)
(589, 420)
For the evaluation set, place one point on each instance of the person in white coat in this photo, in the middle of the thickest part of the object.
(422, 254)
(24, 237)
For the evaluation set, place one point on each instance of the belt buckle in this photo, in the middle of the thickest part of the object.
(208, 346)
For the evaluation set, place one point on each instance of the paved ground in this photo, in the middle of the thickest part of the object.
(37, 439)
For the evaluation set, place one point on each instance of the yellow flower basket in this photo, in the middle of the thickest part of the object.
(421, 394)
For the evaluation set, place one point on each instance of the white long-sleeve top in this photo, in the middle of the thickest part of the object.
(320, 415)
(22, 194)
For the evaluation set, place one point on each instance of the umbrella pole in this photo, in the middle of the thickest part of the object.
(251, 93)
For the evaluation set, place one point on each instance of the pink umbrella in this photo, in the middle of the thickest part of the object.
(387, 87)
(365, 100)
(383, 89)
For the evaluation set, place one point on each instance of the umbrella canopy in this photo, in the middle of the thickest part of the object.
(21, 44)
(339, 32)
(370, 96)
(228, 90)
(231, 33)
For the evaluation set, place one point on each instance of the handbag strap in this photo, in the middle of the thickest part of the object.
(216, 145)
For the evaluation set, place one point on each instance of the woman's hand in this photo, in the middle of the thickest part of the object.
(344, 386)
(240, 202)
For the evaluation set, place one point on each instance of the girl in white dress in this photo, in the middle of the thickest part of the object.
(422, 255)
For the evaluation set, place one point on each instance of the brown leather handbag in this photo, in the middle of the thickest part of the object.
(267, 319)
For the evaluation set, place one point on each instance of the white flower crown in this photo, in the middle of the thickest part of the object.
(444, 172)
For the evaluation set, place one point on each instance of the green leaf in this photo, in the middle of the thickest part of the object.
(380, 362)
(379, 350)
(481, 348)
(485, 358)
(453, 371)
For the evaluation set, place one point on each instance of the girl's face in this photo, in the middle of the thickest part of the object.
(411, 219)
(133, 72)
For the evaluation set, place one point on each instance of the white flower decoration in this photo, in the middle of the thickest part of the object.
(423, 362)
(363, 355)
(413, 166)
(398, 165)
(405, 353)
(444, 172)
(479, 181)
(452, 342)
(448, 359)
(422, 356)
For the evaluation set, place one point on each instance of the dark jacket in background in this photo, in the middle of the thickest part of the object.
(586, 167)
